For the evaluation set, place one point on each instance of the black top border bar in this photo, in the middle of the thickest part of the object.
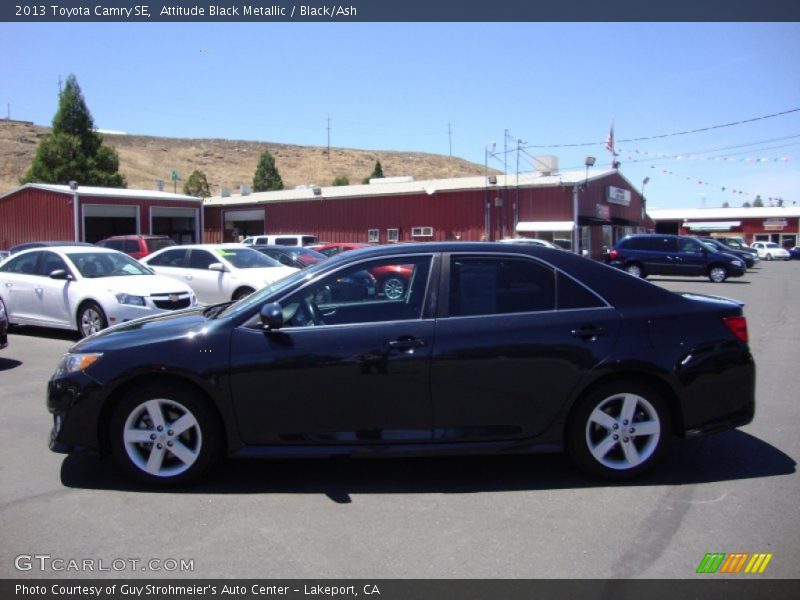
(354, 11)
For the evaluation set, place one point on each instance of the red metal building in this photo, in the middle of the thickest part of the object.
(473, 208)
(37, 212)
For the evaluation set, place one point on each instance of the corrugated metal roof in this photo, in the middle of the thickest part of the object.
(105, 192)
(429, 187)
(713, 214)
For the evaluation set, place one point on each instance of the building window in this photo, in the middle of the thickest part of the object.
(373, 236)
(422, 231)
(392, 235)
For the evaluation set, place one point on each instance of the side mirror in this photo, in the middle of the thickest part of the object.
(271, 316)
(60, 274)
(217, 266)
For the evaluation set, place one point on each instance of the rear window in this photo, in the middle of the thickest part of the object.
(158, 244)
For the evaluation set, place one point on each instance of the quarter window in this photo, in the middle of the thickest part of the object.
(493, 285)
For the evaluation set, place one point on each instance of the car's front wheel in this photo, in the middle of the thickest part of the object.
(768, 256)
(634, 269)
(618, 431)
(91, 319)
(718, 274)
(164, 435)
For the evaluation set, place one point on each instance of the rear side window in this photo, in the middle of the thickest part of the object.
(25, 264)
(158, 244)
(130, 246)
(113, 244)
(286, 241)
(649, 243)
(170, 258)
(493, 285)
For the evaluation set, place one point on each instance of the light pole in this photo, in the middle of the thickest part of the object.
(73, 185)
(487, 217)
(589, 162)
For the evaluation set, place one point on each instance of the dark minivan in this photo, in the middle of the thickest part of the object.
(681, 256)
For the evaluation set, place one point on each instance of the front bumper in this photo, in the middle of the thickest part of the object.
(75, 401)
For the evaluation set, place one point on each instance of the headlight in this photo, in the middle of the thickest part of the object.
(738, 263)
(128, 299)
(73, 362)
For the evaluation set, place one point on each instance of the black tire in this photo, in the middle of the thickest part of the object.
(769, 257)
(241, 293)
(91, 319)
(164, 457)
(590, 437)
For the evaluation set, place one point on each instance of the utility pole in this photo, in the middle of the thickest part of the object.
(329, 137)
(450, 138)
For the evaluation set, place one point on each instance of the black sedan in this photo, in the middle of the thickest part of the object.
(298, 257)
(491, 348)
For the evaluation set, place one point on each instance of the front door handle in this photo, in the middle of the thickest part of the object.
(589, 332)
(406, 343)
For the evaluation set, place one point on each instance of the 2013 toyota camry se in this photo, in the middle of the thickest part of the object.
(491, 348)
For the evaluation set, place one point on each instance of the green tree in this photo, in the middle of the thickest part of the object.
(746, 205)
(197, 185)
(758, 202)
(341, 180)
(377, 172)
(726, 205)
(74, 151)
(267, 177)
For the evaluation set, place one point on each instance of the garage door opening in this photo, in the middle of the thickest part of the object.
(102, 221)
(240, 224)
(180, 224)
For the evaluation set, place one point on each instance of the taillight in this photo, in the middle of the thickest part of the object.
(738, 326)
(613, 254)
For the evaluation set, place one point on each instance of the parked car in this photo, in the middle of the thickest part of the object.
(750, 259)
(84, 288)
(736, 243)
(217, 272)
(29, 245)
(492, 348)
(392, 280)
(771, 251)
(4, 254)
(283, 239)
(3, 325)
(137, 246)
(298, 257)
(795, 252)
(657, 254)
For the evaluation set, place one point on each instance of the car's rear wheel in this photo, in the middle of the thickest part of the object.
(393, 287)
(718, 273)
(618, 431)
(634, 269)
(91, 319)
(164, 435)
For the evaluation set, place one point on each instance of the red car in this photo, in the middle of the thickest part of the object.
(392, 279)
(137, 246)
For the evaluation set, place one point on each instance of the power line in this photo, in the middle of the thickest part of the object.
(666, 135)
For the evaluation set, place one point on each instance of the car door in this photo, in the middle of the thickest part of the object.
(347, 368)
(691, 259)
(51, 296)
(18, 280)
(509, 348)
(210, 286)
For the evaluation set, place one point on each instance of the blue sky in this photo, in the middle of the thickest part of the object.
(395, 86)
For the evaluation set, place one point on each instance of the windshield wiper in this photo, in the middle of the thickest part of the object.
(212, 311)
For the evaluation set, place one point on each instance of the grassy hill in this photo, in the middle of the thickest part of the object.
(144, 159)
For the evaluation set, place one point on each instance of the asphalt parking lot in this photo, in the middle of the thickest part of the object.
(472, 517)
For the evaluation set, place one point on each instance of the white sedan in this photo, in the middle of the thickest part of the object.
(85, 288)
(218, 272)
(771, 251)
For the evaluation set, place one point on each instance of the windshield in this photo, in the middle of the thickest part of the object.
(93, 265)
(246, 258)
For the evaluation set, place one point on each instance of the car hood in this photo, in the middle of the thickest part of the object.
(266, 274)
(188, 323)
(142, 285)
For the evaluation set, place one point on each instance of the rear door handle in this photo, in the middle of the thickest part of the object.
(589, 332)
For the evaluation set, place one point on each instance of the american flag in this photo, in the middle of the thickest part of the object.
(610, 140)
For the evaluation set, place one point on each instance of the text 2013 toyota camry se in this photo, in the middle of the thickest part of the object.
(489, 349)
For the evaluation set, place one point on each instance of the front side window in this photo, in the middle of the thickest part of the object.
(494, 285)
(689, 245)
(359, 294)
(51, 262)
